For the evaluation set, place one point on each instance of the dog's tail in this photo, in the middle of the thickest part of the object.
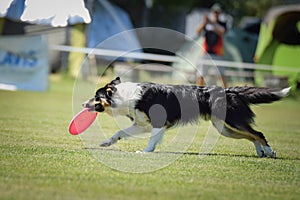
(256, 95)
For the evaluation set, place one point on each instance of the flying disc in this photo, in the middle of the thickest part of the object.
(82, 121)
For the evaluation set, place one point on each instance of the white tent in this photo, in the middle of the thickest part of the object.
(56, 13)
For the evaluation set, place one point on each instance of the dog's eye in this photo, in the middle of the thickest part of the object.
(109, 93)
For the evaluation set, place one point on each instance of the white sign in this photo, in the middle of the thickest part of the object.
(23, 63)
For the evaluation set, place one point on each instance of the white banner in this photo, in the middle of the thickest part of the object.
(23, 63)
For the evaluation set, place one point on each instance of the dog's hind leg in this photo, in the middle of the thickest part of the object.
(258, 139)
(127, 132)
(156, 137)
(261, 144)
(228, 131)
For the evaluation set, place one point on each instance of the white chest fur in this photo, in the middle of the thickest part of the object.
(124, 99)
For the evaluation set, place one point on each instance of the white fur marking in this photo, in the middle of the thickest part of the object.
(156, 137)
(124, 99)
(127, 132)
(282, 93)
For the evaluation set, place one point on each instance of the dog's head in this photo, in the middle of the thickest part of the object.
(103, 97)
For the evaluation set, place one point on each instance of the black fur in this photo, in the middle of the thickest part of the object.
(184, 104)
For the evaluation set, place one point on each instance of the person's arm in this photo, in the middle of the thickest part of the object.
(202, 25)
(220, 30)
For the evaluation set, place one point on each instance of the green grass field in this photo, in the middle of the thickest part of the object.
(39, 159)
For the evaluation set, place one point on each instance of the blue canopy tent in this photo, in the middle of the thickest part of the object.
(107, 21)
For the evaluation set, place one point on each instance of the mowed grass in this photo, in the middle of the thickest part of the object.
(39, 159)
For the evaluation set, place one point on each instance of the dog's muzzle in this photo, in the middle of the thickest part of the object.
(94, 105)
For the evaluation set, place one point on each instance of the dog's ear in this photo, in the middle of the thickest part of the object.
(110, 88)
(116, 81)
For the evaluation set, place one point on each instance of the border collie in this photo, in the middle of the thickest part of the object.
(156, 107)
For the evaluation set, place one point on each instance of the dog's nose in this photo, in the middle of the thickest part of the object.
(84, 104)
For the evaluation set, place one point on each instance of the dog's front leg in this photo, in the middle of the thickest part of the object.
(156, 137)
(127, 132)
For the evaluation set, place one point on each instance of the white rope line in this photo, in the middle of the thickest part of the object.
(166, 58)
(116, 53)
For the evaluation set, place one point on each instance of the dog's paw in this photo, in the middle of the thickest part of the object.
(269, 152)
(149, 149)
(273, 154)
(261, 154)
(107, 143)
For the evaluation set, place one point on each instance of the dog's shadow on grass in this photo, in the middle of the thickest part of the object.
(207, 154)
(224, 155)
(194, 154)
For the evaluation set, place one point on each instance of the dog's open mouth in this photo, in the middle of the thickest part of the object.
(91, 109)
(96, 105)
(94, 108)
(89, 106)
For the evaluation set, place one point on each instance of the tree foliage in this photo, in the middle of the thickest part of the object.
(236, 8)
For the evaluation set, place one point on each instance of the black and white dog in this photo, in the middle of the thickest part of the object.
(157, 107)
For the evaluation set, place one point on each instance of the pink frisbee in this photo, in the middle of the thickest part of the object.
(82, 121)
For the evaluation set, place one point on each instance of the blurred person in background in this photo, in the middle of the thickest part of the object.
(213, 45)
